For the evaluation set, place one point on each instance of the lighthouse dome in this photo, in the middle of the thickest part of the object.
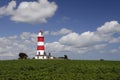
(40, 33)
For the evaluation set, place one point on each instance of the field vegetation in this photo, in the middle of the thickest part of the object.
(59, 70)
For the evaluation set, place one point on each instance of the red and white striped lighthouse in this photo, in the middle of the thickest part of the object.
(40, 47)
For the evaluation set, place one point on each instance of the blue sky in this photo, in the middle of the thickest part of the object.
(63, 20)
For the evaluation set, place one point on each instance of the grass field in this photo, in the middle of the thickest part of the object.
(59, 70)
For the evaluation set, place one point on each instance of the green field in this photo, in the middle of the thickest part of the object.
(59, 70)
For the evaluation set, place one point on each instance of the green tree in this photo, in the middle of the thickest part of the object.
(23, 55)
(65, 57)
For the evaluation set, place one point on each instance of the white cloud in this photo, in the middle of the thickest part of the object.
(70, 39)
(25, 35)
(115, 40)
(99, 46)
(12, 45)
(80, 40)
(57, 47)
(28, 35)
(104, 33)
(54, 47)
(8, 10)
(109, 27)
(115, 50)
(46, 33)
(89, 41)
(62, 31)
(29, 12)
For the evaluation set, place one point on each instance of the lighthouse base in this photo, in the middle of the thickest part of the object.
(41, 57)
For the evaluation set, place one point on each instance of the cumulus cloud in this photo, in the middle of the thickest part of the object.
(80, 40)
(29, 12)
(115, 50)
(109, 28)
(8, 10)
(90, 41)
(12, 45)
(105, 33)
(115, 40)
(55, 45)
(62, 31)
(46, 33)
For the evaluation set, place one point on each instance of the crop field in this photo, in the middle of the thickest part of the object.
(59, 70)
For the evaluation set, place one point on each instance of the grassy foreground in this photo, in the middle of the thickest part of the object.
(59, 70)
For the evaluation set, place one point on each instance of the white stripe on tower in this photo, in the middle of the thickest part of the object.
(40, 43)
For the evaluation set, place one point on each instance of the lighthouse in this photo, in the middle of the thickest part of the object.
(40, 47)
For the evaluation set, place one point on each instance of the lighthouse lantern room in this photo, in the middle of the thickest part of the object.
(40, 47)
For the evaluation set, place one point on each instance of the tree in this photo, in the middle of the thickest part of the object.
(22, 55)
(65, 57)
(101, 59)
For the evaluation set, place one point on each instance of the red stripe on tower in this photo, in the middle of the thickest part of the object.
(40, 48)
(40, 39)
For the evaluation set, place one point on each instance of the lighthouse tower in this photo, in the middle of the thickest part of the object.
(40, 47)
